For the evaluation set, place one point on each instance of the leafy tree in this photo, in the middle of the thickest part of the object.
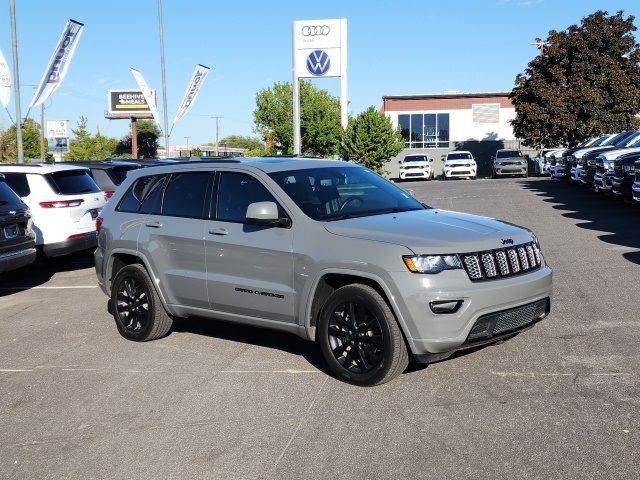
(84, 146)
(585, 82)
(239, 141)
(319, 118)
(148, 134)
(196, 152)
(30, 141)
(371, 140)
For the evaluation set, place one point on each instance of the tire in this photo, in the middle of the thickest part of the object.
(360, 338)
(150, 322)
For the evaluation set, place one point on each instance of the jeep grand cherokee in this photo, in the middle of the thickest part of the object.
(327, 250)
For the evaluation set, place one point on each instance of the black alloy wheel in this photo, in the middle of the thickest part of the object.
(137, 309)
(132, 305)
(360, 338)
(355, 337)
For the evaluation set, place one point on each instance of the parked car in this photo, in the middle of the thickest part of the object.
(325, 249)
(509, 162)
(459, 164)
(635, 188)
(544, 159)
(624, 175)
(17, 240)
(64, 202)
(562, 168)
(579, 159)
(416, 167)
(107, 174)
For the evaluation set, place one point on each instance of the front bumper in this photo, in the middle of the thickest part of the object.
(415, 173)
(436, 336)
(461, 171)
(499, 169)
(602, 182)
(635, 190)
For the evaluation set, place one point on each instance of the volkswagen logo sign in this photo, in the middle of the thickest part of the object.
(318, 63)
(315, 30)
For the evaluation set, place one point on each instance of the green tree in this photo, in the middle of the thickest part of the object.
(239, 141)
(148, 134)
(319, 118)
(585, 82)
(371, 140)
(30, 141)
(84, 146)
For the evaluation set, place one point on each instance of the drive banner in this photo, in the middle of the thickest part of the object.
(146, 91)
(59, 62)
(197, 79)
(5, 81)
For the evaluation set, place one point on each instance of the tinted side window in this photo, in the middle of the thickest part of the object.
(185, 194)
(103, 180)
(141, 190)
(235, 192)
(72, 182)
(18, 182)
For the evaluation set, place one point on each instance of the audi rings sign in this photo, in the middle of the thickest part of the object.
(319, 48)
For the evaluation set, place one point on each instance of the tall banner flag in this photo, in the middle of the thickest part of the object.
(5, 81)
(197, 79)
(146, 91)
(59, 62)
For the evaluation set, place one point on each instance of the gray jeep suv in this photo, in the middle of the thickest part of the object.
(327, 250)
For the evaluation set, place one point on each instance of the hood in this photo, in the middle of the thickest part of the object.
(583, 151)
(433, 231)
(613, 154)
(452, 163)
(417, 163)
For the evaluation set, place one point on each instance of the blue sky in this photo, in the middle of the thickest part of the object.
(395, 47)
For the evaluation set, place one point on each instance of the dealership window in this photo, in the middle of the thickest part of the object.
(429, 130)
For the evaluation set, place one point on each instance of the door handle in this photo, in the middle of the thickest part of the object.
(219, 231)
(154, 224)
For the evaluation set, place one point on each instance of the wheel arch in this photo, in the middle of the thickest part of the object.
(328, 281)
(121, 258)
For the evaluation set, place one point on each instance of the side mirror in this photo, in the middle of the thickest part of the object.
(431, 159)
(266, 214)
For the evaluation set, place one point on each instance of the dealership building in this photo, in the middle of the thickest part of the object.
(435, 124)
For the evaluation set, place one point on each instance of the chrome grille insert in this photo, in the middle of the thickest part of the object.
(501, 263)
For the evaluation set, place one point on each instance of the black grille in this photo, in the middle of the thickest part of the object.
(503, 262)
(513, 319)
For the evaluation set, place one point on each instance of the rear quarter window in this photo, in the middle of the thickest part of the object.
(145, 195)
(72, 182)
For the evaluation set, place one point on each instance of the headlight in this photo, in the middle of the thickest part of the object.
(627, 168)
(431, 263)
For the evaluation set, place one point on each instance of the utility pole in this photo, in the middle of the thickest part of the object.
(188, 145)
(16, 79)
(164, 80)
(217, 117)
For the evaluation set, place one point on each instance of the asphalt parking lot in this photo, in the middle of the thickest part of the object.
(214, 400)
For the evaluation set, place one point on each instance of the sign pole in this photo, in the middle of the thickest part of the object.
(297, 143)
(134, 138)
(344, 98)
(42, 132)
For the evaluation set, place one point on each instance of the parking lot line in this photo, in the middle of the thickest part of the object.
(48, 288)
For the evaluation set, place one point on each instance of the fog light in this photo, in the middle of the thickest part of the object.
(445, 306)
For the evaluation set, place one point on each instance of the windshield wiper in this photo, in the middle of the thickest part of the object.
(369, 213)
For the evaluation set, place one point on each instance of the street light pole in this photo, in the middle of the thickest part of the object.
(189, 151)
(16, 79)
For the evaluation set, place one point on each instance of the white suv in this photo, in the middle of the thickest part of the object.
(416, 166)
(64, 202)
(459, 163)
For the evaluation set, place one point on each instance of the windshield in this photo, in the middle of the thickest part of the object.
(458, 156)
(337, 193)
(9, 200)
(508, 153)
(620, 137)
(415, 158)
